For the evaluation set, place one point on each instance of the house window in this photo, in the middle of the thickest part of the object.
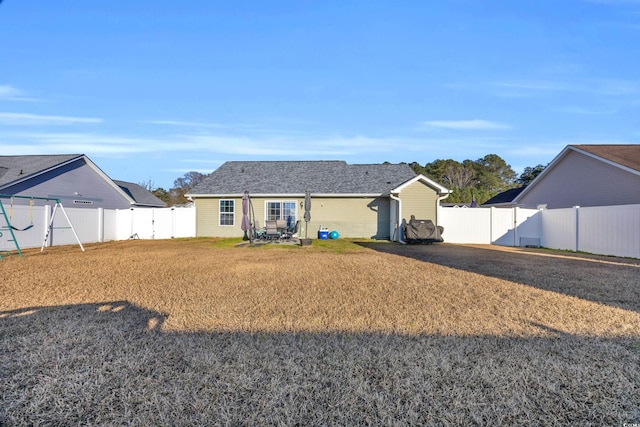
(227, 212)
(281, 210)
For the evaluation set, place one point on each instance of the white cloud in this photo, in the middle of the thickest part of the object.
(25, 119)
(284, 146)
(583, 111)
(10, 93)
(600, 87)
(466, 124)
(546, 150)
(234, 146)
(181, 123)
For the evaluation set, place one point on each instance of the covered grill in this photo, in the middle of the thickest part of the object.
(418, 231)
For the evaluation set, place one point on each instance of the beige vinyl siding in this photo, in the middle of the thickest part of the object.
(208, 218)
(208, 214)
(580, 180)
(366, 217)
(350, 217)
(419, 200)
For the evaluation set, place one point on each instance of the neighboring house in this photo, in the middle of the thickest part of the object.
(141, 196)
(355, 200)
(587, 175)
(504, 199)
(72, 178)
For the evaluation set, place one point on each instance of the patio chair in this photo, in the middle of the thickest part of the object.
(292, 231)
(271, 230)
(259, 233)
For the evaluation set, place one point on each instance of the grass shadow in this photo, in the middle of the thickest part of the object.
(606, 280)
(110, 363)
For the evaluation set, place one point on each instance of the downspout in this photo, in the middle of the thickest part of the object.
(398, 232)
(439, 207)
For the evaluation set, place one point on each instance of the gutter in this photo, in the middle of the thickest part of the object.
(442, 198)
(397, 199)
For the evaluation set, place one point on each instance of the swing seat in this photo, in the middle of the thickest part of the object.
(21, 229)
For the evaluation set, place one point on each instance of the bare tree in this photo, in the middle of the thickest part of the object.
(183, 185)
(147, 185)
(189, 181)
(458, 176)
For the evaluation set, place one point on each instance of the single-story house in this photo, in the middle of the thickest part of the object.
(587, 175)
(356, 200)
(72, 178)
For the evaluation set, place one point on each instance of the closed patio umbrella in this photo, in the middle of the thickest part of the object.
(245, 225)
(307, 211)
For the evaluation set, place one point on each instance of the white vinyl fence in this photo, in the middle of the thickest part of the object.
(607, 230)
(499, 226)
(94, 225)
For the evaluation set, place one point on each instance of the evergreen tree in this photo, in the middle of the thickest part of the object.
(529, 174)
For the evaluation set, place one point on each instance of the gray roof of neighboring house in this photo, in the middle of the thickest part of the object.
(295, 177)
(505, 197)
(141, 195)
(17, 168)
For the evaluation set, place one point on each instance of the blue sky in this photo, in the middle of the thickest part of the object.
(152, 90)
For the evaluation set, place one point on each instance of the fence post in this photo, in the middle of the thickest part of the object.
(491, 239)
(173, 222)
(541, 225)
(100, 225)
(577, 209)
(515, 227)
(131, 219)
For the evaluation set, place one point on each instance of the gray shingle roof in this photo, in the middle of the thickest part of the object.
(140, 195)
(504, 197)
(15, 168)
(294, 177)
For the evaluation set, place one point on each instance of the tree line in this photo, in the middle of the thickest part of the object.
(469, 180)
(477, 180)
(181, 186)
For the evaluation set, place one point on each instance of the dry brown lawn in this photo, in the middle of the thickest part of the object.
(199, 332)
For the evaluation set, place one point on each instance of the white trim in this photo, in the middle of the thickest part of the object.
(233, 214)
(420, 177)
(108, 180)
(43, 171)
(281, 201)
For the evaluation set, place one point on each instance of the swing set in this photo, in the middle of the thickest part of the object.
(11, 228)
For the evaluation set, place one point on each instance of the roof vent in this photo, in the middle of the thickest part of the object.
(21, 172)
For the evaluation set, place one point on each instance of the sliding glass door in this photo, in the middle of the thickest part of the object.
(281, 209)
